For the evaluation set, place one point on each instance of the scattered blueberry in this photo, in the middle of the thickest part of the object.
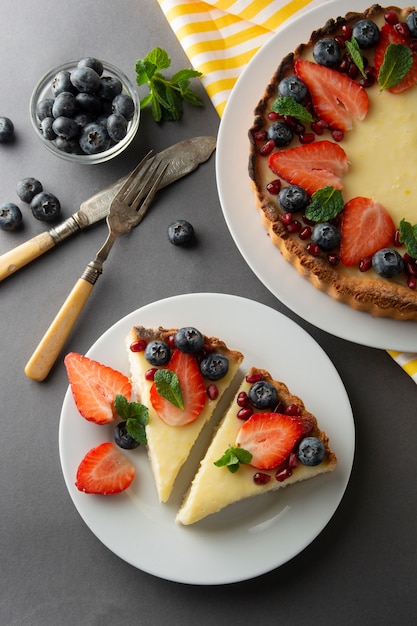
(10, 216)
(45, 207)
(116, 127)
(188, 339)
(94, 138)
(122, 437)
(326, 235)
(6, 130)
(280, 133)
(214, 366)
(411, 22)
(180, 233)
(311, 451)
(366, 33)
(327, 52)
(292, 87)
(263, 395)
(157, 353)
(293, 198)
(27, 188)
(387, 262)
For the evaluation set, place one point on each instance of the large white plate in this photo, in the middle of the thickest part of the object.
(246, 539)
(243, 220)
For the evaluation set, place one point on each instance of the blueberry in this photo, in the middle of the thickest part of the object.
(326, 235)
(124, 105)
(94, 138)
(62, 82)
(411, 22)
(263, 395)
(311, 451)
(122, 437)
(116, 127)
(280, 133)
(293, 198)
(70, 146)
(82, 119)
(28, 188)
(109, 88)
(46, 128)
(327, 52)
(292, 87)
(189, 340)
(45, 207)
(64, 104)
(88, 102)
(10, 216)
(92, 62)
(6, 130)
(85, 79)
(181, 233)
(387, 262)
(366, 33)
(214, 366)
(44, 108)
(157, 353)
(65, 127)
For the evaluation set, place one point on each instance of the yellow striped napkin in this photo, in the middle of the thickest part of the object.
(220, 37)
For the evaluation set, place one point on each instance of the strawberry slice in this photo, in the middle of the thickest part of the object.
(336, 98)
(104, 470)
(388, 35)
(193, 391)
(366, 227)
(94, 387)
(311, 166)
(270, 437)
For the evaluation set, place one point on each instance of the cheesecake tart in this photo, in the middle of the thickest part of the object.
(266, 441)
(333, 160)
(180, 375)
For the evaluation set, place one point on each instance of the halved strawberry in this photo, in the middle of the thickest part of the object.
(94, 387)
(388, 35)
(270, 437)
(193, 391)
(311, 166)
(104, 470)
(337, 99)
(366, 227)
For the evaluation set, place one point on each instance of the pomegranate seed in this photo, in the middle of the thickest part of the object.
(397, 241)
(293, 227)
(299, 128)
(346, 31)
(171, 342)
(340, 41)
(391, 18)
(138, 346)
(273, 116)
(292, 460)
(334, 259)
(253, 378)
(282, 474)
(352, 71)
(242, 399)
(267, 148)
(260, 135)
(337, 134)
(280, 408)
(274, 187)
(307, 221)
(402, 29)
(245, 413)
(412, 282)
(305, 233)
(407, 258)
(313, 249)
(411, 269)
(150, 374)
(212, 391)
(293, 409)
(261, 479)
(317, 128)
(286, 218)
(306, 138)
(413, 45)
(207, 348)
(365, 264)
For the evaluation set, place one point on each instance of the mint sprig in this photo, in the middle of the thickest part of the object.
(166, 96)
(233, 457)
(168, 386)
(354, 51)
(398, 60)
(408, 236)
(326, 204)
(136, 416)
(286, 105)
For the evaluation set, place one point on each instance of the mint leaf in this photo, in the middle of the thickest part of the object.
(325, 204)
(159, 58)
(354, 50)
(398, 60)
(136, 416)
(168, 386)
(233, 457)
(408, 236)
(288, 106)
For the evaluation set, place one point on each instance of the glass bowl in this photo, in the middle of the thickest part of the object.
(43, 90)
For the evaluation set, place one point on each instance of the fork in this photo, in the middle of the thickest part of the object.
(127, 209)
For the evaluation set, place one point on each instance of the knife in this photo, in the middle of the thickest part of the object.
(182, 158)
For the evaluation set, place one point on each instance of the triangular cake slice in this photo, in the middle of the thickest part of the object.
(204, 368)
(278, 432)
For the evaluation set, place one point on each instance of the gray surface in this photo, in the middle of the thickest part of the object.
(362, 569)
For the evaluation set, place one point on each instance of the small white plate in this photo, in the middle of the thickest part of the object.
(243, 219)
(246, 539)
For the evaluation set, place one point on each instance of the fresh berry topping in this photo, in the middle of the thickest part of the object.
(366, 227)
(292, 87)
(366, 33)
(94, 387)
(280, 133)
(293, 198)
(122, 438)
(327, 52)
(411, 22)
(104, 470)
(214, 366)
(311, 451)
(138, 346)
(269, 437)
(244, 413)
(326, 235)
(387, 262)
(336, 98)
(193, 391)
(212, 392)
(157, 353)
(263, 395)
(189, 340)
(260, 478)
(311, 166)
(389, 35)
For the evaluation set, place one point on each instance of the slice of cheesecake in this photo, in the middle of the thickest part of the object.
(267, 440)
(202, 367)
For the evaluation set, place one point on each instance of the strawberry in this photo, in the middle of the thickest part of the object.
(104, 470)
(388, 35)
(336, 98)
(94, 387)
(311, 166)
(193, 390)
(270, 438)
(366, 227)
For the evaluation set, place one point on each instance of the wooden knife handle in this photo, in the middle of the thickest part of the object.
(45, 355)
(15, 259)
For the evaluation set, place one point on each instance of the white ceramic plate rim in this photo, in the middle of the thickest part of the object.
(252, 537)
(237, 200)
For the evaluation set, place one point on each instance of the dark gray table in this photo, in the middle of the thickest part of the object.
(362, 569)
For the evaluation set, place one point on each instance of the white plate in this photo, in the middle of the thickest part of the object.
(243, 220)
(247, 539)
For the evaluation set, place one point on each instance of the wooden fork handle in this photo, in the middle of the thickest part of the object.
(17, 258)
(45, 355)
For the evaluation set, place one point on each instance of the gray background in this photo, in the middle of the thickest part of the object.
(362, 569)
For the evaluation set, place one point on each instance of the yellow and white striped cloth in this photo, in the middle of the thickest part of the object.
(220, 37)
